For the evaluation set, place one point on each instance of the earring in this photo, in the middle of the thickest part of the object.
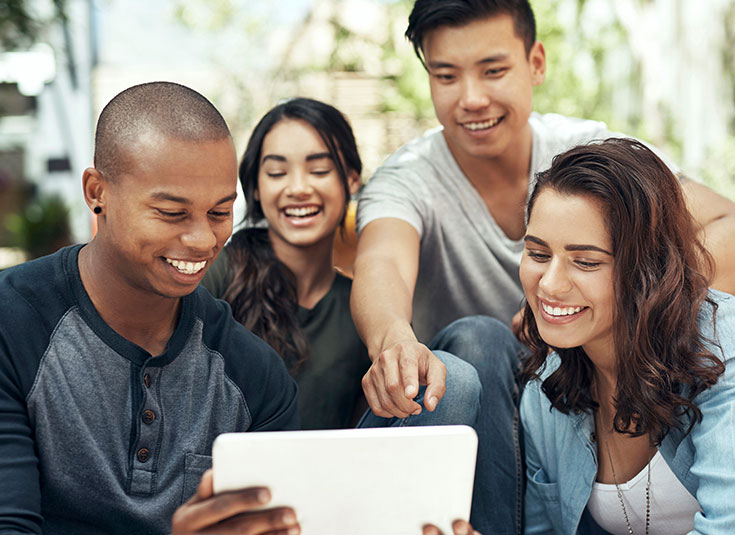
(97, 210)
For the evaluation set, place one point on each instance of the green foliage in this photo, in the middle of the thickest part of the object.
(20, 26)
(407, 82)
(41, 228)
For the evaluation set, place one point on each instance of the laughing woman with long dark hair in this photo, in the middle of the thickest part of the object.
(629, 412)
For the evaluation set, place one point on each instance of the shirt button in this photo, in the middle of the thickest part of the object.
(593, 437)
(148, 416)
(147, 380)
(143, 454)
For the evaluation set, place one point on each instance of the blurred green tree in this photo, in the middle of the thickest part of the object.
(21, 23)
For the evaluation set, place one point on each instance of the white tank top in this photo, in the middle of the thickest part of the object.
(672, 506)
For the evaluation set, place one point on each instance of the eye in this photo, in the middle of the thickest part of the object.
(587, 264)
(220, 213)
(275, 174)
(321, 172)
(444, 78)
(496, 72)
(167, 213)
(537, 255)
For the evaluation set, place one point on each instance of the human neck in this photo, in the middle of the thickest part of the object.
(312, 266)
(140, 316)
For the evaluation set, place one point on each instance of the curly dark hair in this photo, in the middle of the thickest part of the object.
(262, 290)
(661, 278)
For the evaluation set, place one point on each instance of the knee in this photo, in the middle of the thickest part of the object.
(479, 340)
(463, 383)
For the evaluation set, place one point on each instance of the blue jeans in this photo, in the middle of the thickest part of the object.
(485, 396)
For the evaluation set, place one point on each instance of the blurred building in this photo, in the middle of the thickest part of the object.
(46, 116)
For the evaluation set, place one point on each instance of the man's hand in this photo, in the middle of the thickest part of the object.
(459, 527)
(393, 380)
(232, 512)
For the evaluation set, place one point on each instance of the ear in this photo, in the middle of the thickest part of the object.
(94, 187)
(353, 182)
(256, 195)
(537, 61)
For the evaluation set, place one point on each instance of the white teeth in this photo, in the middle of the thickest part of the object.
(301, 211)
(189, 268)
(482, 126)
(559, 311)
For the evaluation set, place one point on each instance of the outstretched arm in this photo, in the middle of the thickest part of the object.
(716, 215)
(386, 267)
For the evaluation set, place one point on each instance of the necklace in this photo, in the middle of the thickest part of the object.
(620, 494)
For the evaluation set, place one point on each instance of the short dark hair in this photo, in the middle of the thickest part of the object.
(661, 279)
(328, 122)
(166, 108)
(428, 15)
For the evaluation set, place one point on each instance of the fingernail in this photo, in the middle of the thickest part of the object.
(409, 390)
(263, 496)
(433, 401)
(289, 518)
(293, 531)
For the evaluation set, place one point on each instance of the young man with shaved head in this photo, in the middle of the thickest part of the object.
(116, 371)
(441, 225)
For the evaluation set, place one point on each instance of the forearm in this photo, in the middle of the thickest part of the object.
(715, 216)
(381, 305)
(719, 239)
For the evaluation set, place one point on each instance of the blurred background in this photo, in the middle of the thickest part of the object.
(661, 70)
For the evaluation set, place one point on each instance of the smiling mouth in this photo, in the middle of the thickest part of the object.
(187, 268)
(301, 211)
(485, 125)
(561, 311)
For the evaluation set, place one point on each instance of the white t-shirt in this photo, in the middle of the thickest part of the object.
(467, 265)
(672, 506)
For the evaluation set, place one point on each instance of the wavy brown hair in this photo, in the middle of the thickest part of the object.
(262, 290)
(661, 278)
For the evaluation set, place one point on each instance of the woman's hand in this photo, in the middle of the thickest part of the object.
(459, 527)
(232, 512)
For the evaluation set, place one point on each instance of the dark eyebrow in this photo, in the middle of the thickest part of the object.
(230, 197)
(310, 157)
(440, 65)
(163, 196)
(490, 59)
(494, 59)
(276, 157)
(318, 156)
(574, 247)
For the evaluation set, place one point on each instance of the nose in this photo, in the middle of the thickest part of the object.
(298, 184)
(555, 281)
(474, 95)
(200, 235)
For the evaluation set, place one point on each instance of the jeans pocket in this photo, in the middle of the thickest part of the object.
(194, 467)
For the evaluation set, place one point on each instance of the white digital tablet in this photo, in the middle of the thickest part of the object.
(356, 481)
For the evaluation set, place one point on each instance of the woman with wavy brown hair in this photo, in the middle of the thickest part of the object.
(629, 409)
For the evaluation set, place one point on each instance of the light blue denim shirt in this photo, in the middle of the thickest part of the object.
(561, 454)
